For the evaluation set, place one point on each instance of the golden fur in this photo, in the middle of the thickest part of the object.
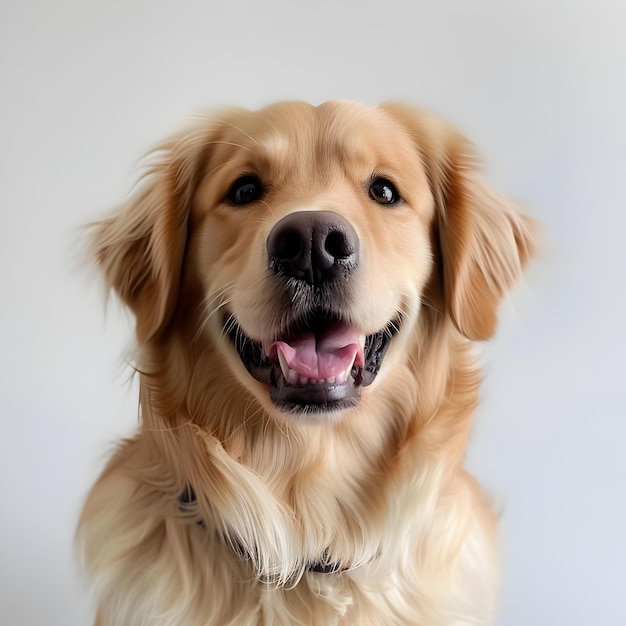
(379, 488)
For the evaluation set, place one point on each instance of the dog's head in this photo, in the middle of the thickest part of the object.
(314, 249)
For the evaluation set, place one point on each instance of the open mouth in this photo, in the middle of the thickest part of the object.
(318, 364)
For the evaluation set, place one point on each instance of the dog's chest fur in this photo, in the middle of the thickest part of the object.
(308, 284)
(369, 537)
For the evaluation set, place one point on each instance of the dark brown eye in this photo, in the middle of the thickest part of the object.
(383, 191)
(244, 190)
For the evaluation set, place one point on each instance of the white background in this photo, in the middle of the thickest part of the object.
(87, 87)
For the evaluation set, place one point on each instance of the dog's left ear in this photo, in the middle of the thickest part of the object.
(484, 242)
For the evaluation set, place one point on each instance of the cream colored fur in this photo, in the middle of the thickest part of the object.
(379, 488)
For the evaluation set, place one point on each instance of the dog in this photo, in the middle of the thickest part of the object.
(309, 285)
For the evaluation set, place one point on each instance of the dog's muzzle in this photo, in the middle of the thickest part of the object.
(320, 360)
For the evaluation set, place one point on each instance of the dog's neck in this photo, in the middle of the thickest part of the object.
(323, 565)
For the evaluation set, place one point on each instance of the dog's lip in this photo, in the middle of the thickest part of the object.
(263, 360)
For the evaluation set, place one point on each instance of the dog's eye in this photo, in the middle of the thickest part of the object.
(383, 191)
(245, 190)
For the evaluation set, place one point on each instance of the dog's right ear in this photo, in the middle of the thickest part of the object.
(483, 241)
(140, 247)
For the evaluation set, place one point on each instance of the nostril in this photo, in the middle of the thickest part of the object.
(288, 245)
(338, 245)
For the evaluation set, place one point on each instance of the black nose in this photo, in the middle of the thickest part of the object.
(313, 246)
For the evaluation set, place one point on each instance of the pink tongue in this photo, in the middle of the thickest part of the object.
(324, 355)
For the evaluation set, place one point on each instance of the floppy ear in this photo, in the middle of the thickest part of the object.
(484, 242)
(140, 248)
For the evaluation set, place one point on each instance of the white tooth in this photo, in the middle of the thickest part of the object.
(283, 364)
(303, 380)
(321, 380)
(293, 378)
(343, 377)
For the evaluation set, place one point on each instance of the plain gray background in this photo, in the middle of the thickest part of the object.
(87, 87)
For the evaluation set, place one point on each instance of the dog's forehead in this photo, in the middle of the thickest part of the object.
(296, 130)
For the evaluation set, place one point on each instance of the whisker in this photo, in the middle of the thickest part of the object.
(209, 310)
(215, 295)
(208, 317)
(424, 301)
(229, 325)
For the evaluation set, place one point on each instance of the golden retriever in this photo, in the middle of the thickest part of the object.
(308, 284)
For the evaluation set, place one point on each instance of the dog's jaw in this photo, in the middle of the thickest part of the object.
(344, 361)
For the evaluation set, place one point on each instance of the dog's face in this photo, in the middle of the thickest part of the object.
(311, 229)
(308, 244)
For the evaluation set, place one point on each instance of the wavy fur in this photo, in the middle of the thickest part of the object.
(379, 488)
